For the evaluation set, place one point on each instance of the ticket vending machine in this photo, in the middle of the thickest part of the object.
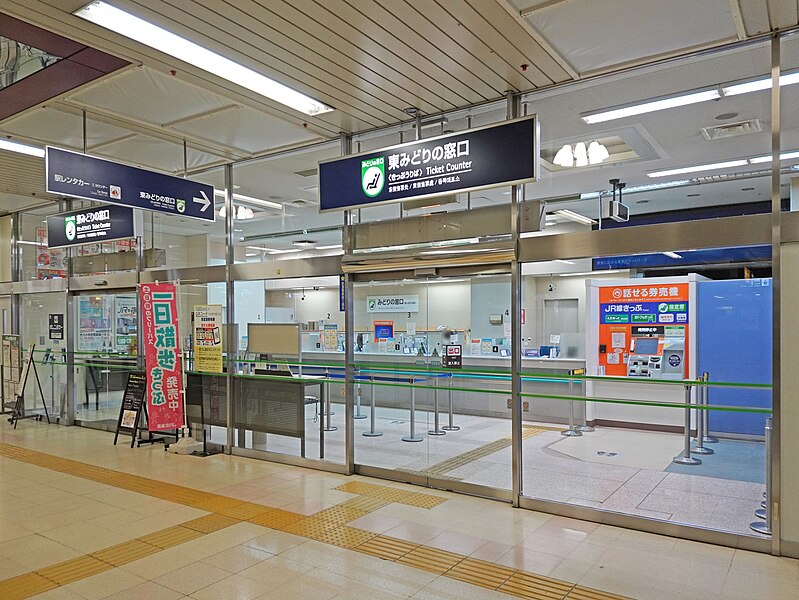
(654, 355)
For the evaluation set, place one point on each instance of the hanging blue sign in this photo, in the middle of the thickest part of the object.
(82, 176)
(486, 157)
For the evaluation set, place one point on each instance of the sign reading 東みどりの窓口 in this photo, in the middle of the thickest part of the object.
(92, 225)
(82, 176)
(496, 155)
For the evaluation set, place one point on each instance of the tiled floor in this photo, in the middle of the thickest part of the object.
(62, 510)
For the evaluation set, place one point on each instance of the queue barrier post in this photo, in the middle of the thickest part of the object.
(573, 430)
(701, 417)
(372, 432)
(436, 429)
(764, 526)
(685, 458)
(412, 437)
(450, 426)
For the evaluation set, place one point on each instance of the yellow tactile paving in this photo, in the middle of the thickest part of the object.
(124, 553)
(583, 593)
(210, 523)
(478, 572)
(25, 586)
(431, 559)
(344, 536)
(535, 587)
(171, 536)
(277, 518)
(387, 548)
(328, 526)
(74, 570)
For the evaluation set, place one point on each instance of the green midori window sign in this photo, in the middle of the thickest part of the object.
(373, 176)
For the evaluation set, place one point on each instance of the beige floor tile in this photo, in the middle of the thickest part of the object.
(191, 578)
(237, 558)
(147, 591)
(105, 584)
(84, 537)
(235, 587)
(275, 571)
(59, 593)
(444, 588)
(275, 542)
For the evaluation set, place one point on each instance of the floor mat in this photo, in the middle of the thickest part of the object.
(734, 460)
(625, 448)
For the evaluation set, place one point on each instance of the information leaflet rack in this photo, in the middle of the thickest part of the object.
(18, 412)
(130, 421)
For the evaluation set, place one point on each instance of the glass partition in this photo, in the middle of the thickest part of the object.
(663, 413)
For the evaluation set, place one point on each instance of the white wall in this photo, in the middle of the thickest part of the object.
(5, 248)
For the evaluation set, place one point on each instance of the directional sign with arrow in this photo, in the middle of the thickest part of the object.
(82, 176)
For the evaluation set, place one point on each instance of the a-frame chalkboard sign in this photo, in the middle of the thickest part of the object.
(132, 406)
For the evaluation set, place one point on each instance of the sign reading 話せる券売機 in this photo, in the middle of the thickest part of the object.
(93, 225)
(492, 156)
(83, 176)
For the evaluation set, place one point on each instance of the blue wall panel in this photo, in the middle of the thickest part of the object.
(734, 344)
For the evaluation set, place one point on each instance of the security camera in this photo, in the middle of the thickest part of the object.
(552, 287)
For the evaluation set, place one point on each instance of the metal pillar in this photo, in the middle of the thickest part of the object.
(516, 197)
(232, 342)
(701, 417)
(349, 329)
(776, 271)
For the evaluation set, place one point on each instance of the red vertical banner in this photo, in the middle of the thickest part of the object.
(162, 356)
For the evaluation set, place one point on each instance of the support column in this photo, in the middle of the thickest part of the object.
(349, 329)
(232, 342)
(516, 197)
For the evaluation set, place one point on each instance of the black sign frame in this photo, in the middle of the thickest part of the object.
(133, 400)
(349, 165)
(124, 223)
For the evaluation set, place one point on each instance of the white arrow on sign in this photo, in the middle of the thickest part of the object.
(204, 201)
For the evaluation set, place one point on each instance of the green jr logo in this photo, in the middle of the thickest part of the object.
(180, 205)
(70, 228)
(373, 176)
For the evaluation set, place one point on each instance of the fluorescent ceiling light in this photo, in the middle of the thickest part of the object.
(334, 246)
(709, 167)
(783, 156)
(21, 148)
(565, 262)
(652, 106)
(573, 216)
(640, 188)
(271, 251)
(137, 29)
(672, 254)
(608, 272)
(759, 85)
(250, 200)
(251, 254)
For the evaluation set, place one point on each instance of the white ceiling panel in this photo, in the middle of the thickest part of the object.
(148, 95)
(246, 129)
(155, 154)
(48, 125)
(595, 35)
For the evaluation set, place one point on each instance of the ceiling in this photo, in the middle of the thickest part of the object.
(371, 60)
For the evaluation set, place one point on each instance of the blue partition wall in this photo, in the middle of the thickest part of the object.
(734, 344)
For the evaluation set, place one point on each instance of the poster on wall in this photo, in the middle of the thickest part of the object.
(630, 312)
(330, 337)
(208, 338)
(94, 323)
(125, 323)
(50, 263)
(162, 356)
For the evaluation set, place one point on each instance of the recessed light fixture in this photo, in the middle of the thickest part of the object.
(748, 189)
(726, 116)
(21, 148)
(696, 168)
(142, 31)
(573, 216)
(581, 155)
(250, 200)
(642, 202)
(692, 195)
(784, 156)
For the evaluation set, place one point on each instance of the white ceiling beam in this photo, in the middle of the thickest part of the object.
(526, 12)
(738, 19)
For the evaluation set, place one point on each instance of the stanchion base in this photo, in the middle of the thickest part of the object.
(359, 417)
(324, 414)
(451, 428)
(372, 433)
(587, 428)
(702, 451)
(763, 504)
(686, 460)
(436, 432)
(331, 428)
(708, 439)
(571, 432)
(760, 513)
(408, 438)
(760, 527)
